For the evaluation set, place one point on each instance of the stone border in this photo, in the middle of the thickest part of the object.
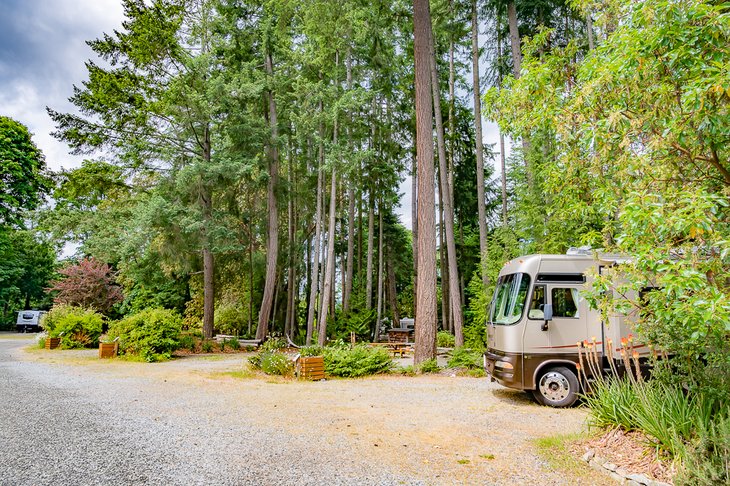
(617, 473)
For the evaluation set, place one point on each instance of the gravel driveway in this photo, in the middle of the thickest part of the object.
(68, 418)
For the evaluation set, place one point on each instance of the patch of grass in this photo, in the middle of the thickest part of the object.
(212, 357)
(429, 366)
(464, 461)
(488, 457)
(404, 370)
(242, 374)
(555, 450)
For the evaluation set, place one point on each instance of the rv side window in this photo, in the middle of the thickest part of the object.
(565, 302)
(537, 303)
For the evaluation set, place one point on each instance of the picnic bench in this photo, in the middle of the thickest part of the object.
(398, 349)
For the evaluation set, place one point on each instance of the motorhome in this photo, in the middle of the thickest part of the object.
(537, 318)
(29, 321)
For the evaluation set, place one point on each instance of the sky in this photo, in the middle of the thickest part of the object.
(42, 54)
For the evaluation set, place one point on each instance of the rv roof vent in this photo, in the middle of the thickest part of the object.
(581, 250)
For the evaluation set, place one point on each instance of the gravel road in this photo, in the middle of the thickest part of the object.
(68, 418)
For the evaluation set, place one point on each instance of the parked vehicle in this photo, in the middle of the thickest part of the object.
(537, 318)
(29, 321)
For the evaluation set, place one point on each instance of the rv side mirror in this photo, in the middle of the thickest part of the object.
(548, 311)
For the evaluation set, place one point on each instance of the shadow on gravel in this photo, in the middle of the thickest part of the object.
(514, 397)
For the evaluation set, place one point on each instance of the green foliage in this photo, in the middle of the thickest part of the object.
(428, 366)
(24, 180)
(229, 318)
(311, 351)
(360, 360)
(187, 341)
(27, 264)
(152, 334)
(207, 346)
(276, 363)
(273, 344)
(77, 327)
(445, 339)
(687, 426)
(463, 357)
(232, 343)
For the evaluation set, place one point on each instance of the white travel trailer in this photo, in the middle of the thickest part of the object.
(537, 318)
(29, 320)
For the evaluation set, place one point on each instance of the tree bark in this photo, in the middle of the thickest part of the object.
(481, 204)
(206, 200)
(514, 39)
(314, 289)
(452, 268)
(369, 264)
(392, 293)
(350, 270)
(589, 31)
(425, 324)
(272, 247)
(380, 273)
(289, 320)
(414, 229)
(329, 268)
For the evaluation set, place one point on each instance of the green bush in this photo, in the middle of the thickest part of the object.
(445, 339)
(462, 357)
(152, 334)
(275, 363)
(229, 318)
(360, 360)
(77, 327)
(206, 346)
(690, 427)
(429, 366)
(273, 344)
(231, 343)
(187, 341)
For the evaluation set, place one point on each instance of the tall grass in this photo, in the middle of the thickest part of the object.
(690, 428)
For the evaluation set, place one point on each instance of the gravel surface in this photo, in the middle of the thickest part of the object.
(69, 418)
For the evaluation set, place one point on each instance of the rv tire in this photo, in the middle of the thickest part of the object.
(556, 387)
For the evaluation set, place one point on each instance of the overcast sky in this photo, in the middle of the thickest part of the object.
(42, 54)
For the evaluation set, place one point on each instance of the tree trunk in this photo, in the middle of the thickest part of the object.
(425, 324)
(481, 204)
(289, 320)
(380, 273)
(514, 39)
(392, 293)
(369, 269)
(453, 269)
(414, 230)
(502, 164)
(329, 268)
(272, 247)
(349, 272)
(314, 289)
(206, 201)
(589, 31)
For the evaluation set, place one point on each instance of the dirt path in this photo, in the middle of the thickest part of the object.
(426, 429)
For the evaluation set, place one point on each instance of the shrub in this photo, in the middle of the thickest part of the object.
(152, 334)
(707, 459)
(89, 283)
(206, 346)
(232, 343)
(229, 318)
(360, 360)
(273, 344)
(76, 326)
(445, 339)
(275, 363)
(462, 357)
(187, 341)
(429, 366)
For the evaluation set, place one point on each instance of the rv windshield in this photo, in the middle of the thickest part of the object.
(509, 298)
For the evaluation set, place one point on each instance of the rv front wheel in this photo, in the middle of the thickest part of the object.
(557, 387)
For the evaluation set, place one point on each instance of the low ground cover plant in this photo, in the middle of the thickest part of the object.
(152, 334)
(77, 327)
(462, 357)
(445, 339)
(688, 426)
(353, 361)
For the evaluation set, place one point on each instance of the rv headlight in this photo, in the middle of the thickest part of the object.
(504, 364)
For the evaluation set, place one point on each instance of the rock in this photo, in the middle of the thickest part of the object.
(589, 455)
(622, 472)
(610, 466)
(639, 478)
(617, 477)
(631, 482)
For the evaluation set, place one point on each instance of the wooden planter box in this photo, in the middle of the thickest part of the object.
(53, 343)
(311, 368)
(108, 350)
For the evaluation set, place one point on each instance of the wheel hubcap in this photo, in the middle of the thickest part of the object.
(554, 386)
